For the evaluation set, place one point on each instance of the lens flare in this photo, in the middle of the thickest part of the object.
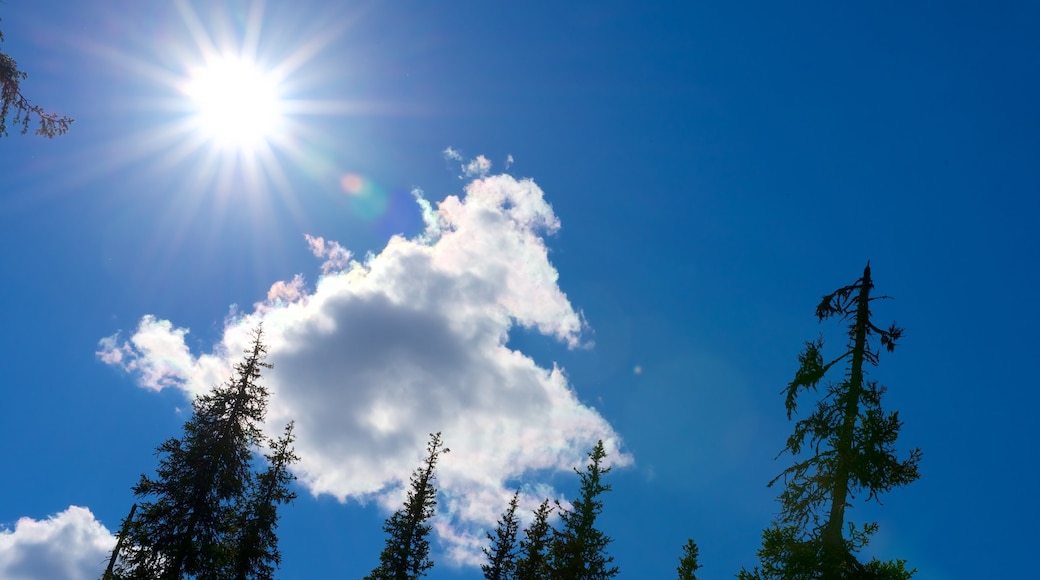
(352, 183)
(367, 199)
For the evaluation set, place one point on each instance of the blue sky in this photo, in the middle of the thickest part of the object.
(632, 213)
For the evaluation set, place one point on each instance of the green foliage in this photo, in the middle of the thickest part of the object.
(207, 515)
(11, 98)
(407, 552)
(501, 554)
(852, 444)
(579, 548)
(688, 565)
(786, 555)
(533, 563)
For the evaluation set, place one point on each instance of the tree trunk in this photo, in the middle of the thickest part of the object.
(834, 553)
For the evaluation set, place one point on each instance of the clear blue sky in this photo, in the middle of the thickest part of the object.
(697, 176)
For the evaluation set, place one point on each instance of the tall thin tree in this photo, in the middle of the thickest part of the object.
(579, 550)
(256, 549)
(533, 560)
(501, 553)
(407, 552)
(852, 444)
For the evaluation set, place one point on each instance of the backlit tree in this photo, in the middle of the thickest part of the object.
(579, 549)
(849, 441)
(256, 553)
(205, 514)
(533, 560)
(407, 552)
(501, 554)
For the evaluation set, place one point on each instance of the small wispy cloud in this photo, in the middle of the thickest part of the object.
(478, 167)
(452, 154)
(286, 292)
(336, 256)
(429, 216)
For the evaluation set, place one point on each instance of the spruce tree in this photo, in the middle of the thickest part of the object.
(407, 552)
(688, 564)
(579, 550)
(851, 441)
(257, 553)
(501, 554)
(533, 560)
(204, 497)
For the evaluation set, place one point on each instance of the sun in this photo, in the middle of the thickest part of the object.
(236, 99)
(236, 104)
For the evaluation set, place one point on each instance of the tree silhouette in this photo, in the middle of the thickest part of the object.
(852, 441)
(206, 514)
(257, 553)
(501, 554)
(579, 550)
(533, 562)
(407, 552)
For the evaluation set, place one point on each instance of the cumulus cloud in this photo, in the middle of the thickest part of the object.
(70, 545)
(159, 357)
(412, 341)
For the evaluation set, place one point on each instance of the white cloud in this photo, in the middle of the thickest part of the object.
(452, 154)
(413, 341)
(285, 292)
(337, 257)
(70, 545)
(429, 216)
(159, 357)
(478, 167)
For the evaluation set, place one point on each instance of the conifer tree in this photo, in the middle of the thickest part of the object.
(407, 552)
(852, 444)
(579, 549)
(533, 560)
(205, 496)
(502, 552)
(11, 98)
(257, 553)
(688, 564)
